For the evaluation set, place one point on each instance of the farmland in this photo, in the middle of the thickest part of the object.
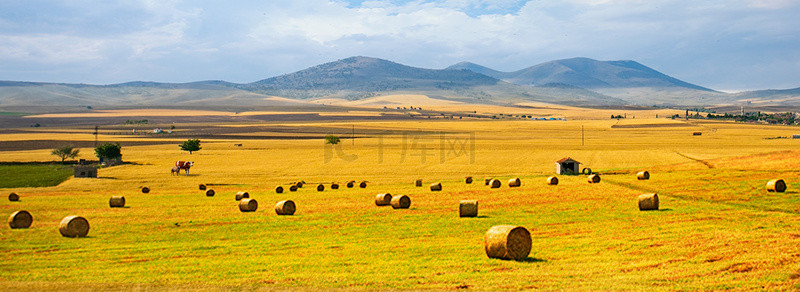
(718, 228)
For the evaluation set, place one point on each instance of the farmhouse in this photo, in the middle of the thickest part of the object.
(567, 166)
(85, 171)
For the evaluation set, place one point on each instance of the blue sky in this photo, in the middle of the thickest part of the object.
(725, 45)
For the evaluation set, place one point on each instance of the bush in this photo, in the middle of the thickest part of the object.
(108, 151)
(332, 139)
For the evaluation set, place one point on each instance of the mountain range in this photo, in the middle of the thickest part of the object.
(575, 81)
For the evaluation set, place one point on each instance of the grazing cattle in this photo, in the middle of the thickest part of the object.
(175, 170)
(185, 165)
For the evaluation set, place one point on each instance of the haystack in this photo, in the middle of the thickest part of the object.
(285, 207)
(486, 181)
(468, 208)
(495, 183)
(248, 205)
(20, 219)
(116, 202)
(145, 190)
(292, 188)
(418, 183)
(202, 187)
(383, 199)
(643, 175)
(363, 184)
(648, 202)
(210, 193)
(593, 179)
(13, 197)
(242, 195)
(507, 242)
(552, 181)
(334, 186)
(74, 226)
(351, 184)
(299, 184)
(514, 182)
(776, 185)
(468, 180)
(401, 202)
(320, 187)
(436, 187)
(279, 189)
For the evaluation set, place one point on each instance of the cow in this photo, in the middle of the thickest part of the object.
(185, 165)
(175, 170)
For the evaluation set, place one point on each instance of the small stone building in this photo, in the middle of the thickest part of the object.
(85, 171)
(568, 166)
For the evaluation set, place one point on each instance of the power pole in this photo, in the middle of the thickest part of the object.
(95, 136)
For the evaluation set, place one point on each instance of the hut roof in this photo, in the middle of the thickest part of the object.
(565, 159)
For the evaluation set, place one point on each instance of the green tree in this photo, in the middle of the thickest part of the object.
(65, 152)
(332, 139)
(191, 145)
(108, 151)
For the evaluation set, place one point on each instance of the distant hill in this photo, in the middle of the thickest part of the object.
(770, 97)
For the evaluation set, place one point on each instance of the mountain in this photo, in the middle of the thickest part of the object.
(770, 97)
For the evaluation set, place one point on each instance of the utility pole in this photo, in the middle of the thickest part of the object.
(95, 136)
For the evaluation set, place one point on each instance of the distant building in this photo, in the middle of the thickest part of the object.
(85, 171)
(157, 131)
(568, 166)
(795, 136)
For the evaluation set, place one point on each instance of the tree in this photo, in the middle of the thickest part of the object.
(332, 139)
(65, 152)
(108, 151)
(191, 145)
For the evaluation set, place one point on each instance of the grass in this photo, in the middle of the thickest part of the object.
(718, 228)
(33, 175)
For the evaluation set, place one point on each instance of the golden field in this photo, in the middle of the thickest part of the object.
(717, 229)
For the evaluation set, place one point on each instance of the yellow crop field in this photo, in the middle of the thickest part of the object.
(717, 227)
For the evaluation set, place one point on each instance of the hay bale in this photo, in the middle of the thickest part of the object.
(643, 175)
(286, 207)
(648, 202)
(436, 187)
(116, 202)
(292, 188)
(248, 205)
(486, 181)
(552, 181)
(210, 193)
(468, 180)
(363, 184)
(586, 171)
(593, 179)
(320, 187)
(299, 184)
(13, 197)
(334, 186)
(279, 189)
(242, 195)
(20, 219)
(495, 183)
(351, 184)
(145, 190)
(401, 202)
(776, 185)
(514, 182)
(383, 199)
(507, 242)
(468, 208)
(418, 183)
(202, 187)
(74, 226)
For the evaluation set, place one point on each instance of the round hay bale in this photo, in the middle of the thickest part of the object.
(242, 195)
(383, 199)
(648, 202)
(468, 208)
(418, 183)
(74, 226)
(116, 202)
(20, 219)
(436, 187)
(145, 190)
(210, 193)
(279, 189)
(507, 242)
(292, 188)
(248, 205)
(401, 202)
(299, 184)
(202, 187)
(351, 184)
(320, 187)
(593, 179)
(334, 186)
(643, 175)
(486, 181)
(776, 185)
(13, 197)
(495, 183)
(286, 207)
(586, 171)
(552, 181)
(468, 180)
(363, 184)
(514, 182)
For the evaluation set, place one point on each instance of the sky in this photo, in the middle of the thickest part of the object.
(725, 45)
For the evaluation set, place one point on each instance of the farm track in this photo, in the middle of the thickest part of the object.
(706, 163)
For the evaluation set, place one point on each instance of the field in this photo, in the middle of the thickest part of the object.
(717, 229)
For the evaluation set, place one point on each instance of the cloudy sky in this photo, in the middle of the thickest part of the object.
(725, 45)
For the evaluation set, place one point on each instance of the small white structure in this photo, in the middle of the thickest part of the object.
(568, 166)
(158, 131)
